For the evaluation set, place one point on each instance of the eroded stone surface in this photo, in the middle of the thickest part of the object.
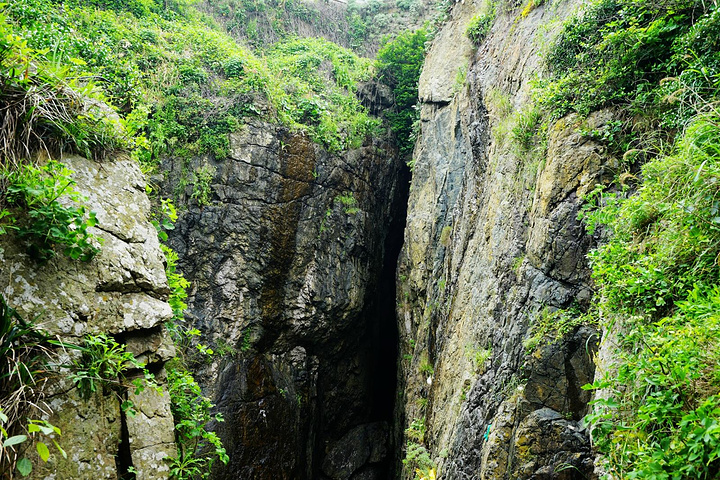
(493, 241)
(285, 264)
(121, 292)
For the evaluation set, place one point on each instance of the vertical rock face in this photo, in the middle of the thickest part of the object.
(122, 293)
(492, 242)
(286, 265)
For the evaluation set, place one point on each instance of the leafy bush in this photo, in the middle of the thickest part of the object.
(41, 220)
(479, 27)
(657, 276)
(103, 365)
(399, 62)
(197, 447)
(417, 458)
(645, 52)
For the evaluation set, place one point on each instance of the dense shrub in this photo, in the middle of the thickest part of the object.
(479, 27)
(642, 53)
(399, 63)
(657, 64)
(658, 278)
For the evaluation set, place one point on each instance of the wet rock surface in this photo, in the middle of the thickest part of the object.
(286, 266)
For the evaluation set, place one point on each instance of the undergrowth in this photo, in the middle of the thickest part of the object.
(399, 62)
(657, 66)
(181, 85)
(35, 213)
(657, 275)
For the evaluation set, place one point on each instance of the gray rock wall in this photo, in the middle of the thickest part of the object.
(285, 265)
(493, 241)
(122, 292)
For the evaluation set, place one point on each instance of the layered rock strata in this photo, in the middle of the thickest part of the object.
(492, 246)
(286, 265)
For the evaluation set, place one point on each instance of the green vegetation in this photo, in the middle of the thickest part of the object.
(480, 26)
(180, 85)
(198, 448)
(349, 203)
(105, 364)
(201, 185)
(552, 325)
(658, 277)
(372, 21)
(399, 62)
(46, 105)
(34, 212)
(656, 63)
(24, 353)
(11, 445)
(661, 57)
(527, 125)
(478, 356)
(426, 367)
(417, 458)
(262, 23)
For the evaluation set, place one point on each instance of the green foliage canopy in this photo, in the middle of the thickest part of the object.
(399, 62)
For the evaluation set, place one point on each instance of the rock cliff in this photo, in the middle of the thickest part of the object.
(287, 266)
(493, 246)
(122, 292)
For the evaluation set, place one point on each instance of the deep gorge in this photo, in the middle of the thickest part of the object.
(488, 254)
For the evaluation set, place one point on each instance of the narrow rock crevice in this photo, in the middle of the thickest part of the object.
(123, 460)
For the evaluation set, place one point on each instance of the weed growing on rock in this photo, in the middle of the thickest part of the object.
(417, 458)
(201, 186)
(480, 26)
(198, 447)
(36, 214)
(105, 364)
(550, 325)
(349, 203)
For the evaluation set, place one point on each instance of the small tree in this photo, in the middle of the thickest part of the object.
(399, 62)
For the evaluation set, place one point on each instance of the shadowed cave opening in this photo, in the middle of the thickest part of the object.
(383, 326)
(376, 353)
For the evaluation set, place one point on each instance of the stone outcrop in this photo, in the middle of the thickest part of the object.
(122, 292)
(286, 266)
(492, 245)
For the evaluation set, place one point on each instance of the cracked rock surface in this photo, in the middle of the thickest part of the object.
(285, 265)
(121, 292)
(492, 244)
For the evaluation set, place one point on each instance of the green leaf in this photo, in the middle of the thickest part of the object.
(62, 452)
(14, 440)
(24, 467)
(43, 451)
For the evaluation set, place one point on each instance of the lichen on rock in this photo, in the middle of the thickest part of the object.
(121, 292)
